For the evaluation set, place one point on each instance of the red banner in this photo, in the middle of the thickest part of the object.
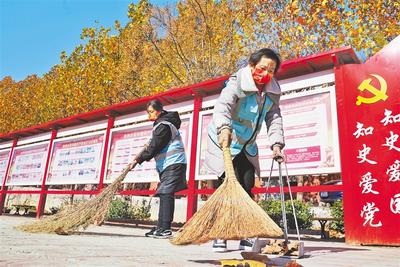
(368, 97)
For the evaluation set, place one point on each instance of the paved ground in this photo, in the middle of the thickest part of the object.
(126, 246)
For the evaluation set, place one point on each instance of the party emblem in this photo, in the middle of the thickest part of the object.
(378, 94)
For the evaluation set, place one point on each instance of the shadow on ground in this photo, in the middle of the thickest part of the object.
(311, 252)
(330, 249)
(106, 234)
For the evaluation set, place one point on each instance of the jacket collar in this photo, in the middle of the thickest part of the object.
(247, 83)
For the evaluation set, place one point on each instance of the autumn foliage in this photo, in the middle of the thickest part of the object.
(195, 40)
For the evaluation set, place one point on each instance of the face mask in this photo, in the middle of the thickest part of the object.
(264, 79)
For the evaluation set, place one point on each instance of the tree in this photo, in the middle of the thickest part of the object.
(204, 40)
(192, 41)
(299, 28)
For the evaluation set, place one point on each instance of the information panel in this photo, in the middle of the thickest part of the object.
(310, 129)
(127, 142)
(76, 160)
(311, 135)
(27, 165)
(4, 157)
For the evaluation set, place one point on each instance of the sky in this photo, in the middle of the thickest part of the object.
(33, 33)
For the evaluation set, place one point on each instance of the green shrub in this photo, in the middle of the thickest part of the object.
(122, 209)
(141, 212)
(119, 209)
(303, 213)
(337, 213)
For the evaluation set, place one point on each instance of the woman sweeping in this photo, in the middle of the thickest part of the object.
(250, 97)
(166, 147)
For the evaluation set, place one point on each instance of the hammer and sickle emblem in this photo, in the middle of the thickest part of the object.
(378, 94)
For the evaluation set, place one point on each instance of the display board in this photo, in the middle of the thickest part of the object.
(76, 160)
(311, 136)
(127, 142)
(28, 165)
(4, 157)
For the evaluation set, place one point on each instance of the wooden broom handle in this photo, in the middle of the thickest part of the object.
(228, 164)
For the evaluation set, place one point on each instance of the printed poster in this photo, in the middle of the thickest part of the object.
(76, 160)
(311, 142)
(28, 165)
(127, 143)
(4, 157)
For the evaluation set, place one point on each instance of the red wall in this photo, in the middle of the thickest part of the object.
(368, 99)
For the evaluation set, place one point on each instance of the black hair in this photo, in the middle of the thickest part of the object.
(155, 104)
(268, 53)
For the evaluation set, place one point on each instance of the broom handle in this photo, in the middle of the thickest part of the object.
(229, 171)
(285, 233)
(291, 200)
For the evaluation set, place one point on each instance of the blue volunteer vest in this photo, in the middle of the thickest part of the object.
(246, 124)
(173, 152)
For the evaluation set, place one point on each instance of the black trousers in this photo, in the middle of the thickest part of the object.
(166, 210)
(244, 171)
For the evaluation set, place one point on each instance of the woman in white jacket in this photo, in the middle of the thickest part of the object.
(250, 97)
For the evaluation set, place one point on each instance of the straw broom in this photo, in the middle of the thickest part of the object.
(229, 214)
(78, 216)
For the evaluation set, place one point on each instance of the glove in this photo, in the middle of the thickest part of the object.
(224, 137)
(277, 154)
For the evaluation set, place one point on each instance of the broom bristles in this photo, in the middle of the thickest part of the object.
(78, 216)
(229, 214)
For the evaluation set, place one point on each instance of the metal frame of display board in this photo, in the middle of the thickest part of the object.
(198, 97)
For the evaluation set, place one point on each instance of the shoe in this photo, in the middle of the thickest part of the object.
(219, 245)
(151, 232)
(161, 233)
(247, 244)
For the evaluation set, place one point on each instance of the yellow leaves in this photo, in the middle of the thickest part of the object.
(380, 40)
(364, 6)
(300, 29)
(138, 12)
(251, 263)
(294, 4)
(301, 20)
(292, 8)
(315, 16)
(286, 41)
(161, 49)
